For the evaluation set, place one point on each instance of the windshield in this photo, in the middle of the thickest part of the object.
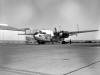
(41, 32)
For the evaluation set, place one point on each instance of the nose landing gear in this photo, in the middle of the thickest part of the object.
(40, 42)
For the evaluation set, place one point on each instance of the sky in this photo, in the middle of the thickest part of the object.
(47, 14)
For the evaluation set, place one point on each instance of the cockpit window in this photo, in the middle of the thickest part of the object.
(42, 32)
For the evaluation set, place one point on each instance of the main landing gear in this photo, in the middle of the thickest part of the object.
(40, 42)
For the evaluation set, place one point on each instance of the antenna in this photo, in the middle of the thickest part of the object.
(77, 29)
(59, 27)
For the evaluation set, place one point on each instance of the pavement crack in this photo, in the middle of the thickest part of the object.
(78, 69)
(21, 71)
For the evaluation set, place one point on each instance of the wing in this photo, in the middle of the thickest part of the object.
(12, 28)
(27, 34)
(84, 31)
(34, 33)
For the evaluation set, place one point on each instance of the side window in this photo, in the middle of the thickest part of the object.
(39, 35)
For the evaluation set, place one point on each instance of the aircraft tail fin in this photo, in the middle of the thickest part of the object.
(25, 29)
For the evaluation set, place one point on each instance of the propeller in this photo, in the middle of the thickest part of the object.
(55, 30)
(77, 29)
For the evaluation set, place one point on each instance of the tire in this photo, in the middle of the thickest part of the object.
(63, 42)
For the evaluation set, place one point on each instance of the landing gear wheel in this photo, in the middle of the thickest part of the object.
(41, 42)
(63, 42)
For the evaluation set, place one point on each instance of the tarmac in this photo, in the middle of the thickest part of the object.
(57, 59)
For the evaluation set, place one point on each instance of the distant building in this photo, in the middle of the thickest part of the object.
(8, 35)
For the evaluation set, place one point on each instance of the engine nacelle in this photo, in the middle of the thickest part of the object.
(63, 34)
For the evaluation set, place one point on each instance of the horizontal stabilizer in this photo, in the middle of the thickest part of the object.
(12, 28)
(27, 34)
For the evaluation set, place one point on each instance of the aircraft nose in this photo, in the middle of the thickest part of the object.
(35, 33)
(36, 36)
